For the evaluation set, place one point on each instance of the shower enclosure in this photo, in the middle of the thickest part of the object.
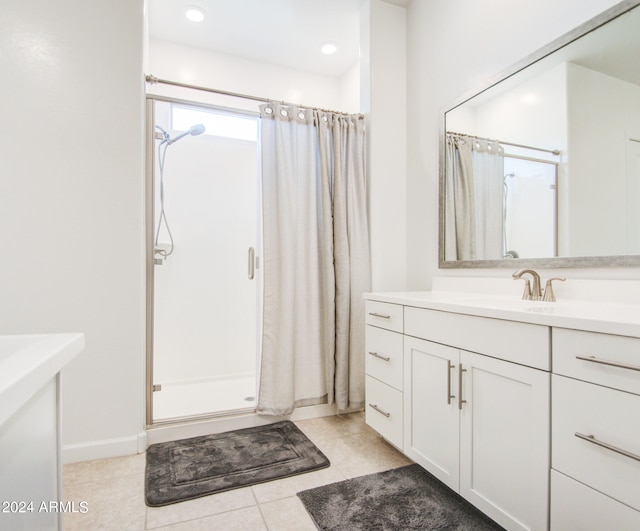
(530, 207)
(203, 279)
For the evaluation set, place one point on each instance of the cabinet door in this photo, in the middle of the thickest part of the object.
(504, 441)
(431, 408)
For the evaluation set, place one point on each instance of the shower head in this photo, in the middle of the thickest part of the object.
(193, 131)
(509, 175)
(196, 130)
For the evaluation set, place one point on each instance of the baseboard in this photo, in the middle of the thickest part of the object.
(136, 444)
(116, 447)
(312, 412)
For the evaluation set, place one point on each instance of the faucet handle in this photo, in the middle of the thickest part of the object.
(549, 296)
(526, 295)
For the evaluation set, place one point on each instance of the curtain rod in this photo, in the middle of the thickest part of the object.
(153, 80)
(552, 151)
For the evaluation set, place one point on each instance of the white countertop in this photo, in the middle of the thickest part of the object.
(27, 362)
(606, 317)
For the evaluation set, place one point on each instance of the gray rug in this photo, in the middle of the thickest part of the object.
(191, 468)
(399, 499)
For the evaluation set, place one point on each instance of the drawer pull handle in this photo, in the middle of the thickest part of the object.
(460, 371)
(593, 440)
(374, 406)
(593, 359)
(376, 355)
(381, 315)
(449, 395)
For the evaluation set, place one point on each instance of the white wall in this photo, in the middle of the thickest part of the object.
(195, 66)
(71, 204)
(513, 116)
(453, 46)
(383, 48)
(598, 206)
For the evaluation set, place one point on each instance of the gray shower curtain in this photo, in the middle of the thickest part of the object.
(473, 200)
(315, 259)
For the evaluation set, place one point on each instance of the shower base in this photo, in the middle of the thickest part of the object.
(181, 400)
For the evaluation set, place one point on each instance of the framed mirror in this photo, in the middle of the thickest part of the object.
(541, 168)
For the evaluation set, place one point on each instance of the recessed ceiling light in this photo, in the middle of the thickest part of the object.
(195, 14)
(329, 48)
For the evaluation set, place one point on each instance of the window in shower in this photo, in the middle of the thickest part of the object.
(216, 122)
(205, 303)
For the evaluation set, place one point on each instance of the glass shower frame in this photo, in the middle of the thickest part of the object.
(150, 212)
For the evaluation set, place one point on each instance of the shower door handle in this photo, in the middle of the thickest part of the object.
(252, 263)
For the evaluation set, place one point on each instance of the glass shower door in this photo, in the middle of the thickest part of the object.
(205, 297)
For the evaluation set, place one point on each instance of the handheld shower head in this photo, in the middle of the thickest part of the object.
(193, 131)
(196, 130)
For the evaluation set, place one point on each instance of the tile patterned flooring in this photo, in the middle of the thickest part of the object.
(114, 488)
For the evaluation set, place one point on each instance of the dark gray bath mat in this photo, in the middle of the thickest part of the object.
(191, 468)
(400, 499)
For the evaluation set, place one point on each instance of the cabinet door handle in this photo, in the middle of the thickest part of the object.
(381, 315)
(460, 371)
(252, 263)
(376, 355)
(449, 367)
(593, 440)
(593, 359)
(374, 406)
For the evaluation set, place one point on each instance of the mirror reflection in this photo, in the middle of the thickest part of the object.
(546, 163)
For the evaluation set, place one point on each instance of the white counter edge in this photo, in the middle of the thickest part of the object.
(28, 362)
(610, 318)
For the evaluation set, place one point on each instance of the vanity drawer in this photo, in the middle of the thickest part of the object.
(383, 351)
(576, 506)
(607, 415)
(570, 345)
(384, 410)
(522, 343)
(384, 315)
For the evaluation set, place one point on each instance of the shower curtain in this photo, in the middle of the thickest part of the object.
(315, 259)
(488, 171)
(460, 241)
(473, 203)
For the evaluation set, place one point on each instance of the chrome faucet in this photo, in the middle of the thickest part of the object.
(531, 292)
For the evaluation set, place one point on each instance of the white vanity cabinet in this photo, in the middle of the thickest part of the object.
(478, 423)
(530, 410)
(595, 477)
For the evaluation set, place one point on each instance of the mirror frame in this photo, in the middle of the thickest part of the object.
(550, 262)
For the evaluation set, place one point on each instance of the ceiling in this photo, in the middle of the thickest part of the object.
(283, 32)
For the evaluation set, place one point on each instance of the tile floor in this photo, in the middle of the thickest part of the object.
(113, 489)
